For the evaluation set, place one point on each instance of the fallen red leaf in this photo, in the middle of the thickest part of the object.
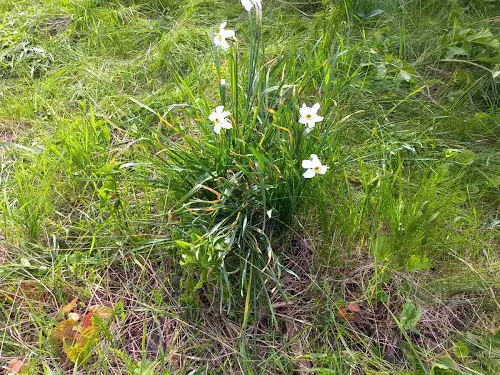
(15, 366)
(353, 307)
(87, 320)
(344, 314)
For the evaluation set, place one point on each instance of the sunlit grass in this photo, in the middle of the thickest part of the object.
(111, 171)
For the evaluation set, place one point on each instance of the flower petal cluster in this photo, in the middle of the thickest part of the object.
(249, 4)
(313, 167)
(218, 117)
(220, 38)
(309, 116)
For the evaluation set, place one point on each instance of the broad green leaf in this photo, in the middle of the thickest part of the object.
(443, 366)
(382, 296)
(418, 263)
(183, 245)
(457, 51)
(410, 316)
(466, 157)
(75, 352)
(80, 349)
(461, 350)
(488, 58)
(484, 37)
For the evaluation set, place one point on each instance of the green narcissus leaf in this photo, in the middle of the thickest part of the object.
(381, 248)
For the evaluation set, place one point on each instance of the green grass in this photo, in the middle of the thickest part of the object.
(110, 173)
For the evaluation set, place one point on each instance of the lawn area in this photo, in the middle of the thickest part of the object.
(250, 187)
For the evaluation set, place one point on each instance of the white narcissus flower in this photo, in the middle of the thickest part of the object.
(220, 38)
(249, 4)
(313, 166)
(309, 116)
(218, 117)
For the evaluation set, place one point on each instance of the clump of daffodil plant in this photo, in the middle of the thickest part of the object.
(240, 169)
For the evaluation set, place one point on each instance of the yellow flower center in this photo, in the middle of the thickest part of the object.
(317, 169)
(308, 116)
(220, 38)
(217, 120)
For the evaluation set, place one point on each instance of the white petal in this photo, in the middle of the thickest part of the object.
(317, 118)
(217, 42)
(228, 33)
(310, 124)
(314, 158)
(224, 45)
(315, 108)
(307, 164)
(247, 5)
(323, 169)
(304, 110)
(217, 128)
(302, 120)
(309, 174)
(225, 114)
(269, 213)
(219, 109)
(222, 26)
(316, 163)
(212, 116)
(226, 124)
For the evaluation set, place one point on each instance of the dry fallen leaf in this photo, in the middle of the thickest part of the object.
(66, 329)
(74, 316)
(87, 334)
(15, 366)
(344, 314)
(70, 306)
(101, 311)
(353, 307)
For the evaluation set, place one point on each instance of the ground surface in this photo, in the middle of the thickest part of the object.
(390, 263)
